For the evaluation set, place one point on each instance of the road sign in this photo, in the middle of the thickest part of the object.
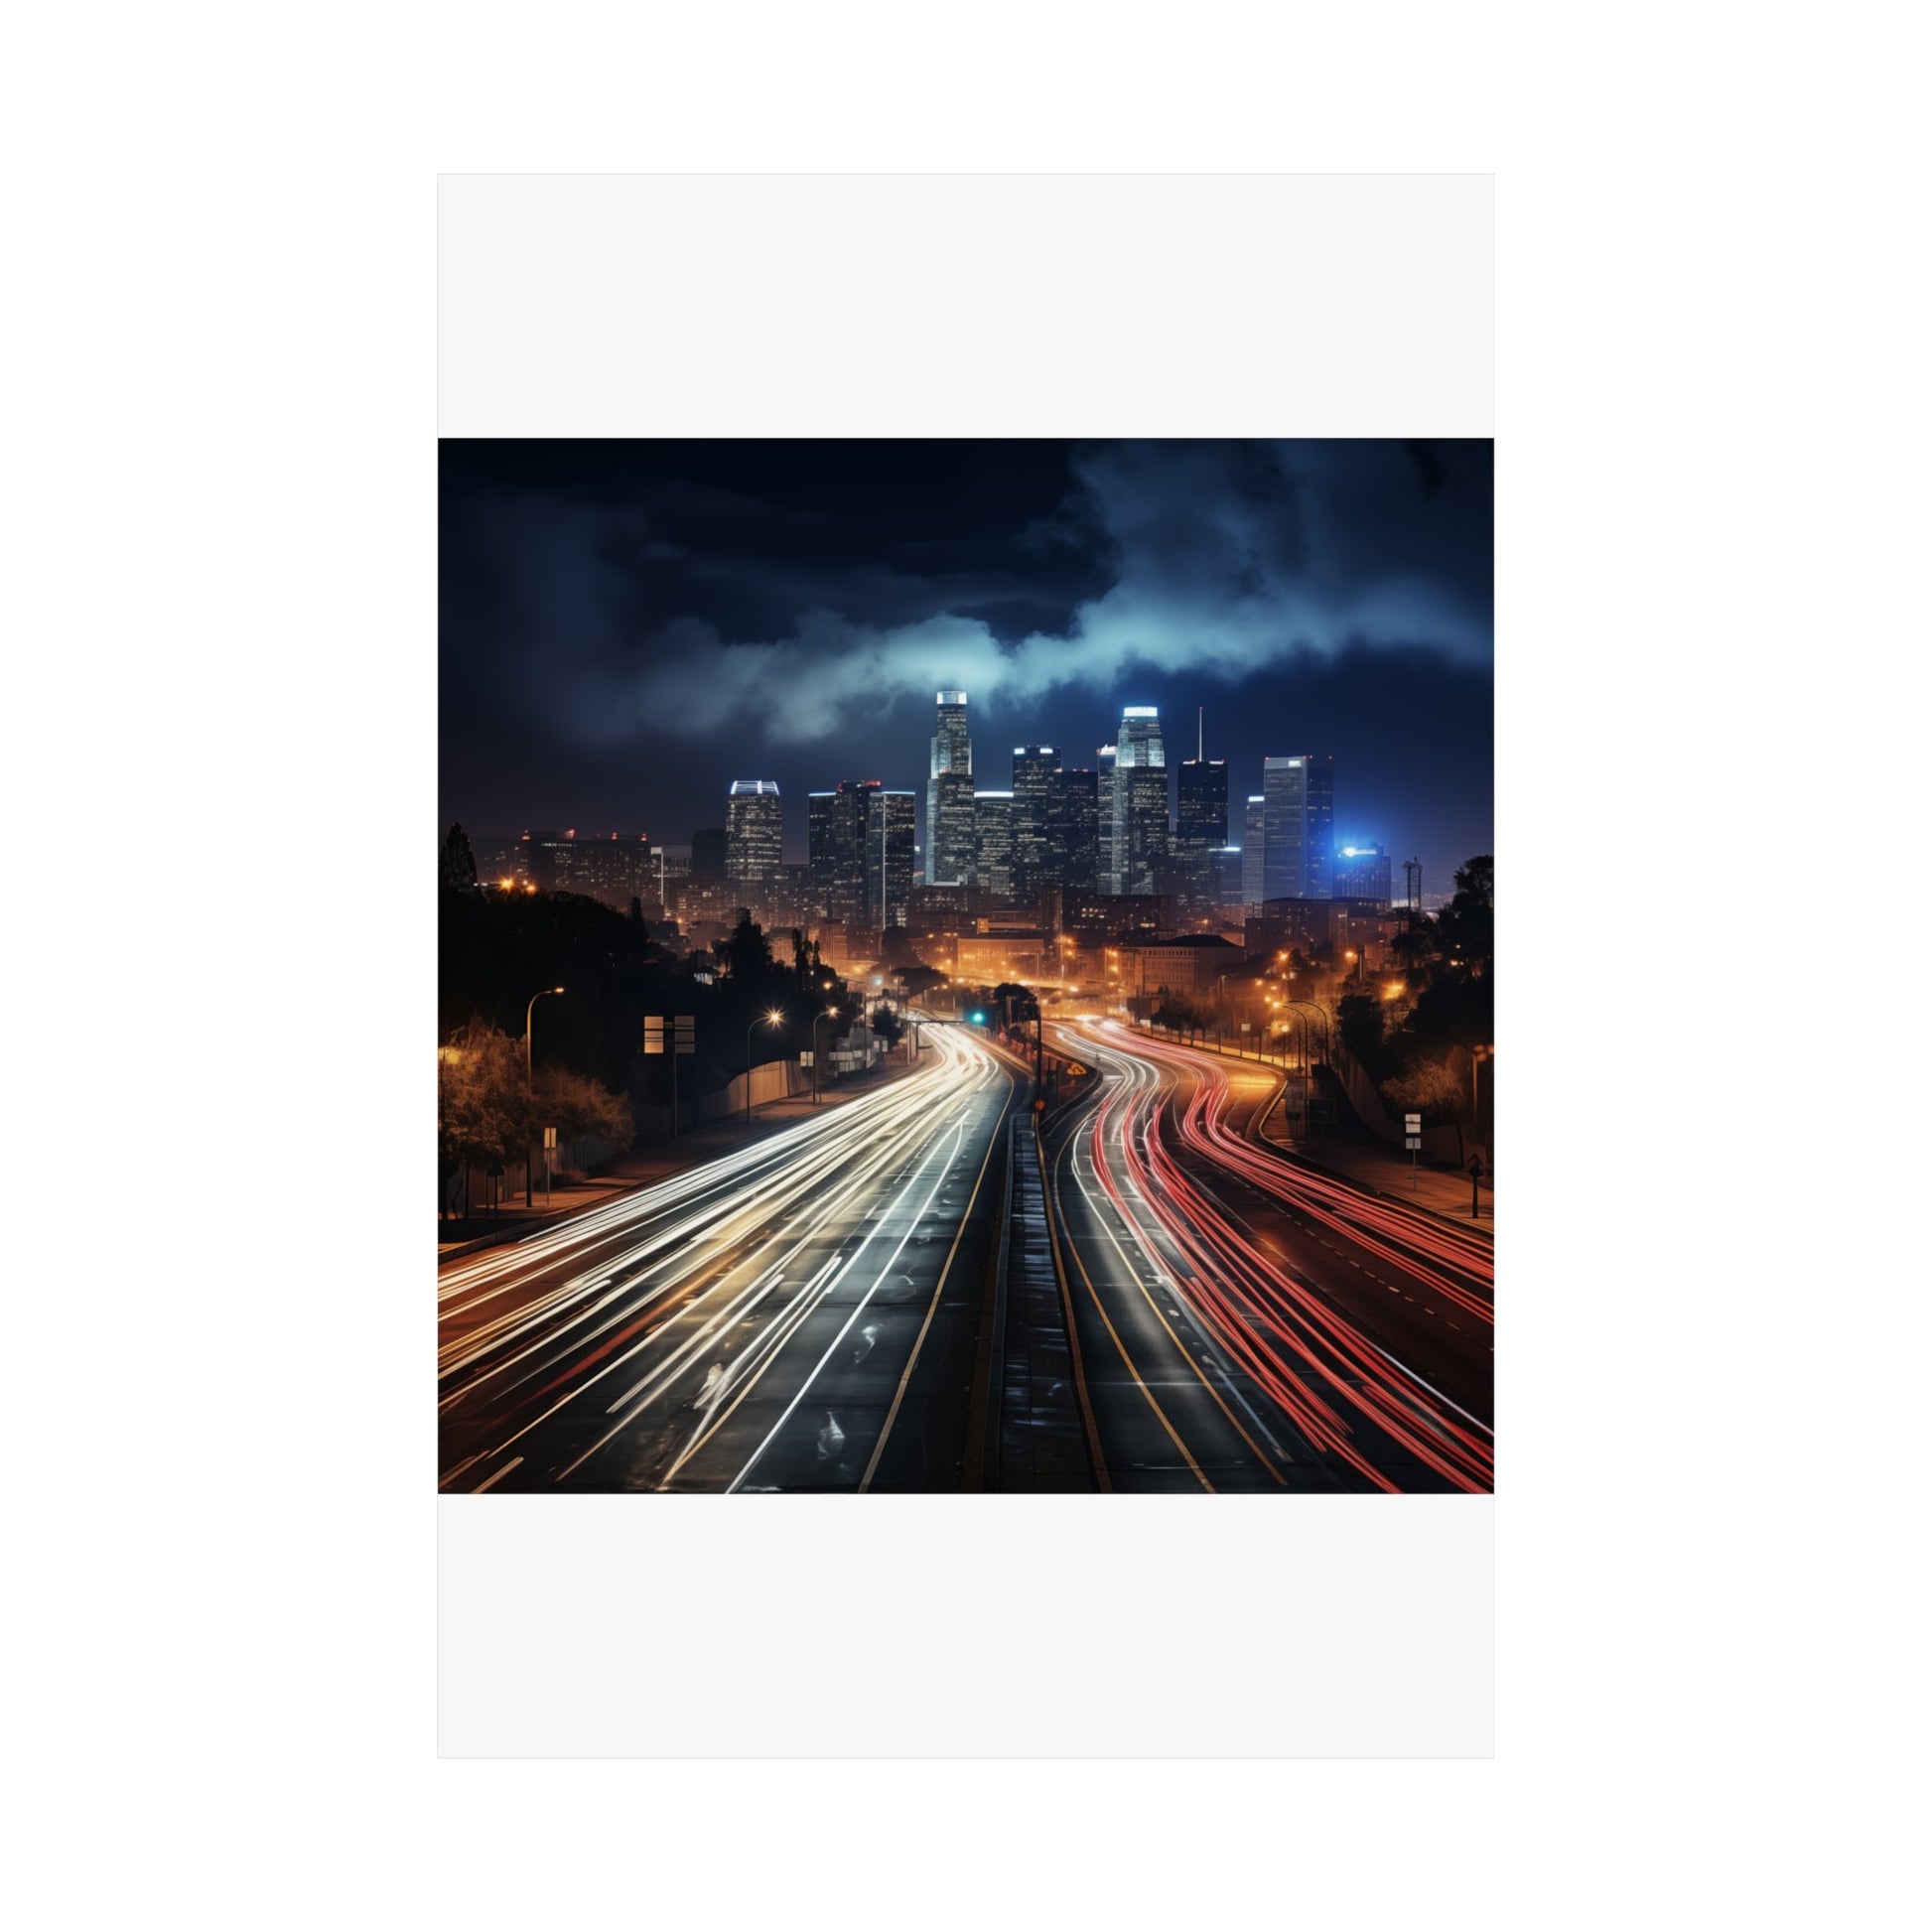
(1415, 1143)
(653, 1033)
(686, 1039)
(1411, 1123)
(549, 1137)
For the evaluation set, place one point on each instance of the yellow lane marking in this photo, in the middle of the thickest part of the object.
(1047, 1198)
(1140, 1381)
(1181, 1350)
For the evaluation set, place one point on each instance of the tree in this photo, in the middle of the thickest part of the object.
(917, 980)
(581, 1109)
(1015, 1002)
(1180, 1014)
(486, 1116)
(745, 951)
(456, 867)
(1361, 1024)
(1466, 925)
(480, 1116)
(887, 1025)
(1432, 1089)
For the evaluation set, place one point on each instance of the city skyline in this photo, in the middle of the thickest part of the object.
(1029, 1082)
(1145, 824)
(574, 574)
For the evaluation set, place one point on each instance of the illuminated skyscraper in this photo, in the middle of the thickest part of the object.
(993, 858)
(1106, 759)
(891, 823)
(1077, 859)
(949, 796)
(755, 841)
(1254, 848)
(1037, 807)
(1201, 805)
(1300, 826)
(1139, 858)
(1200, 830)
(835, 823)
(1362, 872)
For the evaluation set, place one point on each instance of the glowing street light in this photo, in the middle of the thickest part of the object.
(829, 1012)
(542, 992)
(772, 1019)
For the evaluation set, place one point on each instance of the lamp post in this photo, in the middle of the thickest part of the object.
(530, 1094)
(1327, 1051)
(1477, 1054)
(818, 1069)
(1293, 1020)
(772, 1019)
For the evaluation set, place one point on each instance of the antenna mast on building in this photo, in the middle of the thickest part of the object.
(1200, 734)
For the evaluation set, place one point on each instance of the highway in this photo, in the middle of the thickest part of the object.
(1242, 1322)
(802, 1315)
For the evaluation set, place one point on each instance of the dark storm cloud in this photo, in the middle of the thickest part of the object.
(627, 627)
(610, 603)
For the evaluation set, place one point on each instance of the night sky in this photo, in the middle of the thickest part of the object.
(628, 627)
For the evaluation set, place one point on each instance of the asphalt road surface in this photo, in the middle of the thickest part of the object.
(798, 1315)
(1244, 1322)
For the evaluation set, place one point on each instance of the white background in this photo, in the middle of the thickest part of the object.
(220, 619)
(1059, 1626)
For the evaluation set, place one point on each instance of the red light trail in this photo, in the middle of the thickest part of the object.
(1326, 1375)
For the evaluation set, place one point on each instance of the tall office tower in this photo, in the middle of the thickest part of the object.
(755, 841)
(835, 824)
(1300, 821)
(1200, 830)
(949, 797)
(1138, 859)
(708, 852)
(891, 820)
(1226, 865)
(1037, 805)
(1106, 757)
(1254, 846)
(1201, 805)
(1321, 826)
(1363, 871)
(994, 844)
(1076, 862)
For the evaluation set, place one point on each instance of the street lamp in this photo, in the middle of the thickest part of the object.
(1477, 1054)
(1327, 1036)
(772, 1019)
(818, 1076)
(529, 1096)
